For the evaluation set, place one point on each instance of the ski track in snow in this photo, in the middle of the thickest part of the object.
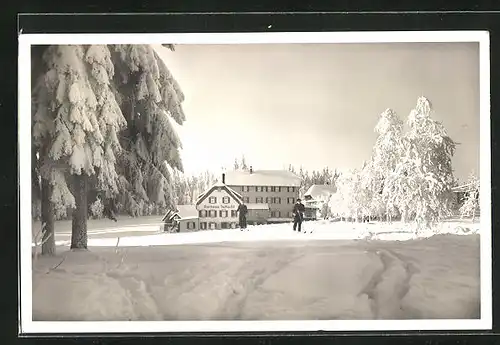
(244, 280)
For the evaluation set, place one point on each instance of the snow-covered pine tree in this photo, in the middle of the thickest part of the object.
(471, 204)
(150, 99)
(243, 164)
(424, 174)
(236, 165)
(387, 152)
(75, 126)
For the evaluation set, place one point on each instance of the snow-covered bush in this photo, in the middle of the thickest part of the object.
(97, 208)
(470, 206)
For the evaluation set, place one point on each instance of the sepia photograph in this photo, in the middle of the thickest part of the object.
(255, 182)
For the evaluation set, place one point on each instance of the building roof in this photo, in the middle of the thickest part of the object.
(257, 206)
(187, 211)
(281, 178)
(219, 184)
(320, 191)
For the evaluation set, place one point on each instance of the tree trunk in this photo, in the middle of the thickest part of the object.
(48, 240)
(79, 222)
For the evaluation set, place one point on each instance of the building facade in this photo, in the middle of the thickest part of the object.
(183, 219)
(279, 189)
(217, 208)
(315, 198)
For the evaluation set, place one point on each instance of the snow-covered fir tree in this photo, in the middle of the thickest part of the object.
(76, 122)
(387, 151)
(150, 99)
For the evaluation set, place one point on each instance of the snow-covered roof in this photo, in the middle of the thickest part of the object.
(219, 184)
(258, 206)
(319, 191)
(281, 178)
(187, 211)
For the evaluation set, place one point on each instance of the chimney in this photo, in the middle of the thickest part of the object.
(251, 169)
(223, 178)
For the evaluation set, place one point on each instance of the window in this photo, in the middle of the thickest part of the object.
(257, 188)
(278, 189)
(265, 189)
(277, 200)
(273, 189)
(203, 225)
(223, 214)
(278, 214)
(212, 225)
(291, 200)
(288, 189)
(212, 213)
(191, 225)
(259, 200)
(233, 225)
(224, 225)
(293, 189)
(212, 200)
(225, 200)
(246, 199)
(202, 213)
(234, 213)
(246, 189)
(273, 214)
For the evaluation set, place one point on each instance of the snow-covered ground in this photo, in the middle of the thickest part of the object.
(339, 271)
(314, 230)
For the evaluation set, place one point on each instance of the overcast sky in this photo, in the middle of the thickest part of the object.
(316, 105)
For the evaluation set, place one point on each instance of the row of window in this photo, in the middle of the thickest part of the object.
(267, 189)
(214, 213)
(213, 226)
(268, 200)
(258, 200)
(213, 200)
(225, 214)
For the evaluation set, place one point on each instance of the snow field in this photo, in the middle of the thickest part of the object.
(321, 230)
(245, 278)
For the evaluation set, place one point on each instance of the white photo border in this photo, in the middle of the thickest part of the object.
(28, 326)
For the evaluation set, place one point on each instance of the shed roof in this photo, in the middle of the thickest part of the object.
(187, 211)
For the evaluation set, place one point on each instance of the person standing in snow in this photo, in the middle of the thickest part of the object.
(242, 213)
(298, 215)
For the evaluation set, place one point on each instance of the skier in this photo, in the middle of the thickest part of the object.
(242, 212)
(298, 215)
(110, 209)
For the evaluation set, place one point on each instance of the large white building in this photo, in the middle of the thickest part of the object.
(278, 189)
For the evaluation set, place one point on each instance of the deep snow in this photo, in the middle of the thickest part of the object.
(337, 272)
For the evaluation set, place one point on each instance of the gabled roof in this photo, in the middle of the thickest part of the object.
(181, 212)
(281, 178)
(320, 191)
(169, 215)
(236, 196)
